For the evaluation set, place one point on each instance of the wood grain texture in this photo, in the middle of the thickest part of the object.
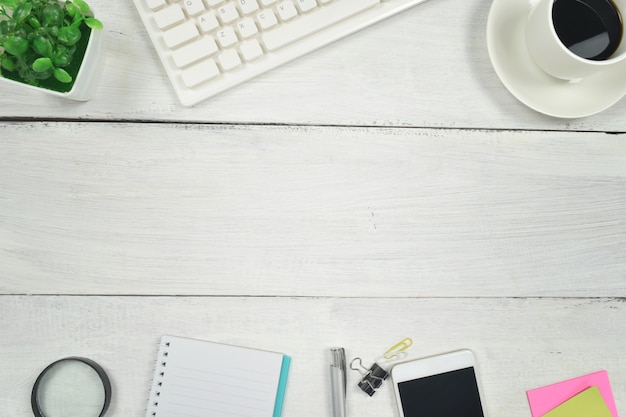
(95, 208)
(519, 343)
(427, 67)
(344, 199)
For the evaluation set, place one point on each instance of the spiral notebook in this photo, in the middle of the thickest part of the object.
(196, 378)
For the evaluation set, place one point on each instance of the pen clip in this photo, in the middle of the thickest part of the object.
(338, 360)
(338, 380)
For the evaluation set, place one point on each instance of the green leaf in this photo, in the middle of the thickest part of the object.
(27, 74)
(69, 35)
(53, 31)
(94, 23)
(43, 46)
(22, 11)
(83, 6)
(7, 63)
(62, 56)
(33, 22)
(52, 15)
(42, 65)
(62, 75)
(16, 45)
(71, 9)
(10, 4)
(7, 27)
(43, 75)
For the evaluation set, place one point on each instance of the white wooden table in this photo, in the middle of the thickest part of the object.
(345, 199)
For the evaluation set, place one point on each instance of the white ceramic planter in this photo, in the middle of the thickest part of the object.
(88, 75)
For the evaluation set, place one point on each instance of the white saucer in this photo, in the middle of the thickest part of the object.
(533, 87)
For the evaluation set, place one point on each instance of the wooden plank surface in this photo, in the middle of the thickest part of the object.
(519, 343)
(93, 208)
(384, 187)
(428, 67)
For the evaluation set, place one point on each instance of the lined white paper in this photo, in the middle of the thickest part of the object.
(195, 378)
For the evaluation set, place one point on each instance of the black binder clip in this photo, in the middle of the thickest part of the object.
(374, 376)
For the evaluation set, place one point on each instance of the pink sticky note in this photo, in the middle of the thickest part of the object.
(544, 399)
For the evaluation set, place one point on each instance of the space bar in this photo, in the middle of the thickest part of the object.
(309, 24)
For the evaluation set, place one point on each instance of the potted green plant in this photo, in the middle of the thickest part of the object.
(51, 45)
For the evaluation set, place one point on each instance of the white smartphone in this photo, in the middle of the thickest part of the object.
(445, 385)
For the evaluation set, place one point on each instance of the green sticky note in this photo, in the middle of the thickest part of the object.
(588, 403)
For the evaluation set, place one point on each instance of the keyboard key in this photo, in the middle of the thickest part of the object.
(180, 34)
(286, 10)
(226, 37)
(228, 13)
(247, 28)
(194, 51)
(229, 60)
(248, 6)
(313, 22)
(208, 22)
(193, 7)
(251, 50)
(306, 5)
(200, 73)
(168, 17)
(155, 4)
(267, 19)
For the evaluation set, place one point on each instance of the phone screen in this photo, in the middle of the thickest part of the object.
(449, 394)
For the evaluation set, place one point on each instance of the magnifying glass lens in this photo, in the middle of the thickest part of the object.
(70, 388)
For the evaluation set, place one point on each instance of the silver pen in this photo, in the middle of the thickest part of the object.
(338, 381)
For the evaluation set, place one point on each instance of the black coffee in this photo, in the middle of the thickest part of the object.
(591, 29)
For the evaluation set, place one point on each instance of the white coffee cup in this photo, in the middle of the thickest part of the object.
(551, 55)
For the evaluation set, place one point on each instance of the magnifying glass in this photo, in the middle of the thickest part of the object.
(71, 387)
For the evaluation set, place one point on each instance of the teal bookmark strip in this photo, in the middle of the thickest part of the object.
(282, 386)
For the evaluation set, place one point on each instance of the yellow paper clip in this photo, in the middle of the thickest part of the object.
(394, 351)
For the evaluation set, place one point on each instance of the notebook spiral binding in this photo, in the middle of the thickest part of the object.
(159, 372)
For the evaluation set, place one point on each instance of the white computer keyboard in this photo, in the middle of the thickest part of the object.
(208, 46)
